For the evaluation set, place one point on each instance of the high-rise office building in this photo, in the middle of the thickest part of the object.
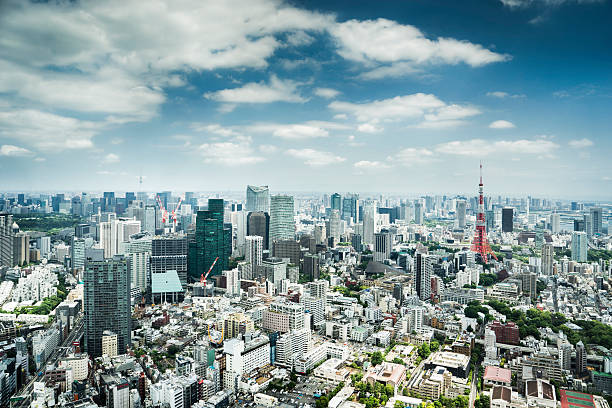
(212, 240)
(150, 219)
(107, 303)
(288, 248)
(383, 242)
(253, 255)
(310, 267)
(547, 259)
(114, 232)
(419, 217)
(258, 198)
(555, 223)
(77, 254)
(6, 240)
(169, 253)
(258, 223)
(579, 225)
(282, 223)
(350, 208)
(596, 224)
(460, 211)
(336, 202)
(423, 271)
(581, 358)
(579, 246)
(507, 219)
(21, 248)
(490, 220)
(137, 251)
(334, 225)
(369, 224)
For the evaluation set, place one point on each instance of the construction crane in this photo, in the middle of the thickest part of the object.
(164, 212)
(204, 276)
(173, 214)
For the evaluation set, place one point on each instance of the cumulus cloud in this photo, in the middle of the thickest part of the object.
(327, 93)
(234, 153)
(370, 165)
(503, 95)
(14, 151)
(481, 147)
(276, 90)
(411, 155)
(385, 42)
(369, 128)
(47, 131)
(548, 3)
(297, 131)
(425, 110)
(111, 158)
(315, 158)
(581, 143)
(501, 124)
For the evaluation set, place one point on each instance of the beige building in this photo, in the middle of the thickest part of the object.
(109, 344)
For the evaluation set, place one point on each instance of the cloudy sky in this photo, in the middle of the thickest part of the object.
(307, 95)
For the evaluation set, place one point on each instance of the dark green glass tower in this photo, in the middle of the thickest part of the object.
(211, 240)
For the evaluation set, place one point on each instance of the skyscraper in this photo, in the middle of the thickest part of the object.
(507, 219)
(555, 223)
(107, 303)
(419, 217)
(547, 259)
(169, 253)
(211, 239)
(579, 246)
(369, 224)
(138, 254)
(595, 215)
(461, 205)
(6, 240)
(383, 242)
(258, 223)
(282, 223)
(423, 271)
(258, 198)
(253, 255)
(336, 202)
(350, 208)
(334, 225)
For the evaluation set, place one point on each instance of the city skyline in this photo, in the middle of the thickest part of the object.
(389, 98)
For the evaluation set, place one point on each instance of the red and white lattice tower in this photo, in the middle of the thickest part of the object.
(480, 245)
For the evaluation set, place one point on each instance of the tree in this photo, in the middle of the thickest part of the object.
(398, 404)
(434, 346)
(424, 351)
(376, 358)
(482, 402)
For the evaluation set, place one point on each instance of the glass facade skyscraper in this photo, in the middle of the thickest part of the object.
(107, 303)
(211, 240)
(258, 198)
(282, 223)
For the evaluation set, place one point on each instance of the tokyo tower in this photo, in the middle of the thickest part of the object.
(480, 245)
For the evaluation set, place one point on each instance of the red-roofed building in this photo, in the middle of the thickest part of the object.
(506, 333)
(575, 399)
(497, 376)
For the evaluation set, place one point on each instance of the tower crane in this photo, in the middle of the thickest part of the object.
(204, 276)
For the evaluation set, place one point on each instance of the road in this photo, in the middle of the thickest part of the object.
(474, 388)
(59, 352)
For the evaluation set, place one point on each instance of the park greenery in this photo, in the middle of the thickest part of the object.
(487, 279)
(373, 395)
(50, 223)
(323, 401)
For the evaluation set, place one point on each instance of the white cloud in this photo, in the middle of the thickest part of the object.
(277, 90)
(503, 95)
(235, 153)
(581, 143)
(297, 131)
(501, 124)
(315, 158)
(214, 128)
(116, 57)
(14, 151)
(399, 107)
(481, 147)
(47, 131)
(327, 93)
(384, 41)
(341, 116)
(394, 70)
(425, 110)
(551, 3)
(268, 149)
(411, 155)
(369, 128)
(111, 158)
(299, 38)
(370, 165)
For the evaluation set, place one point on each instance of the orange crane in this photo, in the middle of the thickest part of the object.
(204, 276)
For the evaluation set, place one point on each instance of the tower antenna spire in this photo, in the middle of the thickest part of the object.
(480, 244)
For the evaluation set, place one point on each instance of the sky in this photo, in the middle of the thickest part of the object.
(388, 96)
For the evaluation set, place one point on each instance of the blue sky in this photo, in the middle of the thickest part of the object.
(402, 97)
